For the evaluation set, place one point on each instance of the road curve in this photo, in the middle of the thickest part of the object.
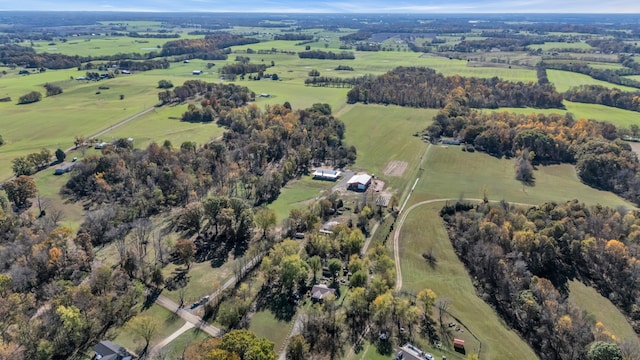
(403, 217)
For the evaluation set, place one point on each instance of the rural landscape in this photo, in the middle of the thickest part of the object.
(226, 186)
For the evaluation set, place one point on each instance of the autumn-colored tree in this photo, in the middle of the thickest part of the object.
(145, 327)
(298, 348)
(185, 251)
(20, 189)
(266, 219)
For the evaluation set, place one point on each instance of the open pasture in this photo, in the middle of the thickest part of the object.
(451, 173)
(603, 310)
(615, 116)
(423, 231)
(561, 46)
(563, 80)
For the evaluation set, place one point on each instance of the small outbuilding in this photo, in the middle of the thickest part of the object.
(196, 72)
(458, 345)
(318, 292)
(106, 350)
(359, 182)
(326, 174)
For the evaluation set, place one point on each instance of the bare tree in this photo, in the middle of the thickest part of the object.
(142, 229)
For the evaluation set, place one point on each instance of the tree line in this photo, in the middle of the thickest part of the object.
(522, 259)
(424, 88)
(598, 94)
(291, 36)
(209, 48)
(326, 55)
(602, 160)
(218, 95)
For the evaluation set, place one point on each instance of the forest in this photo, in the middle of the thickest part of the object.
(425, 88)
(597, 94)
(209, 48)
(522, 259)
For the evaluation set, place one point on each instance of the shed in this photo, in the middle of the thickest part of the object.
(106, 350)
(125, 72)
(318, 292)
(458, 344)
(359, 182)
(326, 174)
(196, 72)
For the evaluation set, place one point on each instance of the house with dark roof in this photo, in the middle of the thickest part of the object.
(106, 350)
(320, 291)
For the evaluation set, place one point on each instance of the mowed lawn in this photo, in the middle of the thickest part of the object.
(265, 325)
(563, 80)
(167, 322)
(382, 134)
(424, 230)
(297, 193)
(452, 173)
(176, 348)
(603, 310)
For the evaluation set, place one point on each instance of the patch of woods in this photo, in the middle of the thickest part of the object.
(27, 57)
(597, 94)
(52, 302)
(521, 260)
(326, 55)
(210, 48)
(602, 160)
(30, 98)
(217, 96)
(234, 345)
(293, 36)
(425, 88)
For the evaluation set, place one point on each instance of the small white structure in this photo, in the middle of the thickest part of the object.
(196, 72)
(326, 174)
(359, 182)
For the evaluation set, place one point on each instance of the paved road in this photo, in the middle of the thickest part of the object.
(187, 316)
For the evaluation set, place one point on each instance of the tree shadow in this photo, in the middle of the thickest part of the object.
(280, 303)
(151, 297)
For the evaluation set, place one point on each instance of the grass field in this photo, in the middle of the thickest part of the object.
(168, 322)
(618, 117)
(424, 230)
(547, 46)
(49, 186)
(265, 325)
(385, 133)
(297, 193)
(452, 173)
(563, 80)
(203, 280)
(601, 309)
(175, 349)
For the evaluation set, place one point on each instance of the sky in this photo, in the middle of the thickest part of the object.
(333, 6)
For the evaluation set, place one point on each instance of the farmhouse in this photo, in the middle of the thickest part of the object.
(318, 292)
(359, 182)
(326, 174)
(196, 72)
(106, 350)
(410, 352)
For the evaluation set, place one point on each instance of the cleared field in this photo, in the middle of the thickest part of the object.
(203, 279)
(164, 124)
(449, 279)
(563, 80)
(601, 309)
(560, 46)
(296, 194)
(49, 186)
(265, 325)
(618, 117)
(382, 134)
(452, 173)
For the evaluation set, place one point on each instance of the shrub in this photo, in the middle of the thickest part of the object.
(31, 97)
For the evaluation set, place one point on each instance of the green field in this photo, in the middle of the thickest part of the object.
(175, 349)
(385, 133)
(297, 193)
(452, 173)
(168, 322)
(563, 80)
(618, 117)
(265, 325)
(449, 279)
(548, 46)
(601, 309)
